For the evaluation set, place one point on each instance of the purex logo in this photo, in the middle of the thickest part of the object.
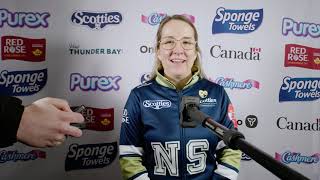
(21, 19)
(90, 156)
(299, 89)
(14, 156)
(232, 84)
(302, 56)
(236, 21)
(95, 20)
(19, 48)
(157, 104)
(252, 54)
(22, 83)
(296, 157)
(302, 29)
(76, 50)
(284, 124)
(94, 83)
(98, 119)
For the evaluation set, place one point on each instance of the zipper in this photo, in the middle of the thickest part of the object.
(182, 141)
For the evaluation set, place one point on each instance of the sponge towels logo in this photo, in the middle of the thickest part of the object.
(22, 83)
(299, 89)
(236, 21)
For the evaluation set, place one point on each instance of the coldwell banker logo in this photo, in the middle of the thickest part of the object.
(76, 50)
(98, 119)
(14, 156)
(19, 48)
(96, 20)
(296, 157)
(251, 54)
(94, 83)
(299, 89)
(302, 29)
(302, 56)
(232, 84)
(90, 156)
(21, 19)
(236, 21)
(22, 83)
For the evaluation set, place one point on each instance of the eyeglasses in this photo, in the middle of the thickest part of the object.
(170, 43)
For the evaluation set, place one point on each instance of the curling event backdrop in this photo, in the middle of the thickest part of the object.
(266, 54)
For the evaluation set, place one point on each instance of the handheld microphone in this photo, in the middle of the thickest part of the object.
(191, 116)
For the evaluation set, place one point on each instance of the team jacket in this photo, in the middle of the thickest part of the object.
(154, 146)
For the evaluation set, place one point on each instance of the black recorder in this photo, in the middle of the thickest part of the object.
(79, 109)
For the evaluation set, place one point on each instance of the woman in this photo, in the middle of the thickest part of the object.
(153, 145)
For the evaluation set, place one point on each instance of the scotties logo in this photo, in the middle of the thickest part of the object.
(300, 29)
(299, 89)
(155, 18)
(90, 156)
(236, 21)
(14, 156)
(94, 83)
(232, 84)
(21, 19)
(157, 104)
(251, 54)
(96, 20)
(22, 83)
(294, 157)
(98, 119)
(19, 48)
(76, 50)
(302, 56)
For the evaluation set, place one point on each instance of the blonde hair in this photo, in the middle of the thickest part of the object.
(157, 64)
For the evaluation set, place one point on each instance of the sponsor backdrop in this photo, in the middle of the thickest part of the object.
(265, 54)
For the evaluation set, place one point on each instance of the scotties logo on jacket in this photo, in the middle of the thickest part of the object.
(95, 20)
(98, 119)
(19, 48)
(14, 156)
(90, 156)
(22, 83)
(21, 19)
(299, 89)
(236, 21)
(302, 56)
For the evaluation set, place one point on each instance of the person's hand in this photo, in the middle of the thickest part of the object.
(46, 123)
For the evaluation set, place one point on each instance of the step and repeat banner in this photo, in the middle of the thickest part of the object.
(265, 54)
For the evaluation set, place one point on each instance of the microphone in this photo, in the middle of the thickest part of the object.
(191, 116)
